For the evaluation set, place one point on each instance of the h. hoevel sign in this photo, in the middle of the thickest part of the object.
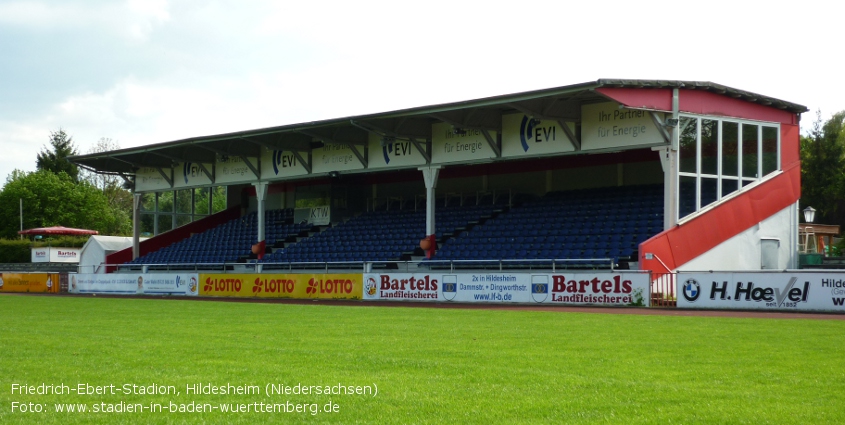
(760, 290)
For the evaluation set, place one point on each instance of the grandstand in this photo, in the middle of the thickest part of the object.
(660, 175)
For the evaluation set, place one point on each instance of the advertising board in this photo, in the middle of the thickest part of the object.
(577, 288)
(788, 291)
(134, 283)
(29, 282)
(281, 285)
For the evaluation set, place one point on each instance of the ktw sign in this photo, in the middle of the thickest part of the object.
(766, 291)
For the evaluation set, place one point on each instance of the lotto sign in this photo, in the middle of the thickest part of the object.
(796, 291)
(324, 286)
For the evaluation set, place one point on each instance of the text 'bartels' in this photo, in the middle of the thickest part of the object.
(329, 286)
(424, 284)
(594, 285)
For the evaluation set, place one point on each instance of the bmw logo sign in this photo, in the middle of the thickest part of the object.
(691, 290)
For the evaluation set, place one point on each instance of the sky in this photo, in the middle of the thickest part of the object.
(140, 72)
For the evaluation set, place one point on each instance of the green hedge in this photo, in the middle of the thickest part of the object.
(20, 251)
(61, 241)
(15, 251)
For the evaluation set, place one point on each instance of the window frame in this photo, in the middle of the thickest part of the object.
(741, 182)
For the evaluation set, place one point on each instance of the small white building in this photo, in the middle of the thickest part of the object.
(92, 257)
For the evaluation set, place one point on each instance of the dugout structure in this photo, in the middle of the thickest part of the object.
(724, 161)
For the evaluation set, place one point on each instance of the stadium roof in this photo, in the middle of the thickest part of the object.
(559, 103)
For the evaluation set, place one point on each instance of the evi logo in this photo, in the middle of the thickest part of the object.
(280, 160)
(190, 170)
(530, 131)
(395, 148)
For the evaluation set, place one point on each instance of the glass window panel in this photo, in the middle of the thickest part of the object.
(749, 151)
(709, 147)
(709, 191)
(183, 201)
(165, 201)
(165, 223)
(218, 199)
(689, 135)
(746, 182)
(182, 220)
(730, 148)
(201, 200)
(687, 196)
(147, 221)
(729, 186)
(770, 150)
(148, 202)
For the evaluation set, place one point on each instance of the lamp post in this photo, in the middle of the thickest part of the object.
(809, 234)
(809, 214)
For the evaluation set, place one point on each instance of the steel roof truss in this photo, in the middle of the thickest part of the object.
(493, 145)
(305, 164)
(573, 138)
(491, 121)
(168, 179)
(181, 159)
(660, 127)
(382, 132)
(251, 166)
(350, 145)
(485, 130)
(244, 158)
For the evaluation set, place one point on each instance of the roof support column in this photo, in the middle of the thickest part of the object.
(260, 195)
(136, 225)
(430, 175)
(670, 185)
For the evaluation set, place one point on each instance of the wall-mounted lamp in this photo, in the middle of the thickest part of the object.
(459, 131)
(334, 174)
(671, 122)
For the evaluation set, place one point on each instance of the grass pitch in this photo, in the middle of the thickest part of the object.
(429, 365)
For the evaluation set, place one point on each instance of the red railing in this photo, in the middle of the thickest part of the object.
(663, 290)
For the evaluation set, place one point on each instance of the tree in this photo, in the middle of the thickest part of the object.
(51, 199)
(111, 185)
(55, 160)
(823, 169)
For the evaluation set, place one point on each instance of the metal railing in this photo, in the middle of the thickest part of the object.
(409, 266)
(663, 290)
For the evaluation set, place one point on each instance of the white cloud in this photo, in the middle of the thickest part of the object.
(187, 69)
(133, 20)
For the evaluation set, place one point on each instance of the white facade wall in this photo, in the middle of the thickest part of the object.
(744, 251)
